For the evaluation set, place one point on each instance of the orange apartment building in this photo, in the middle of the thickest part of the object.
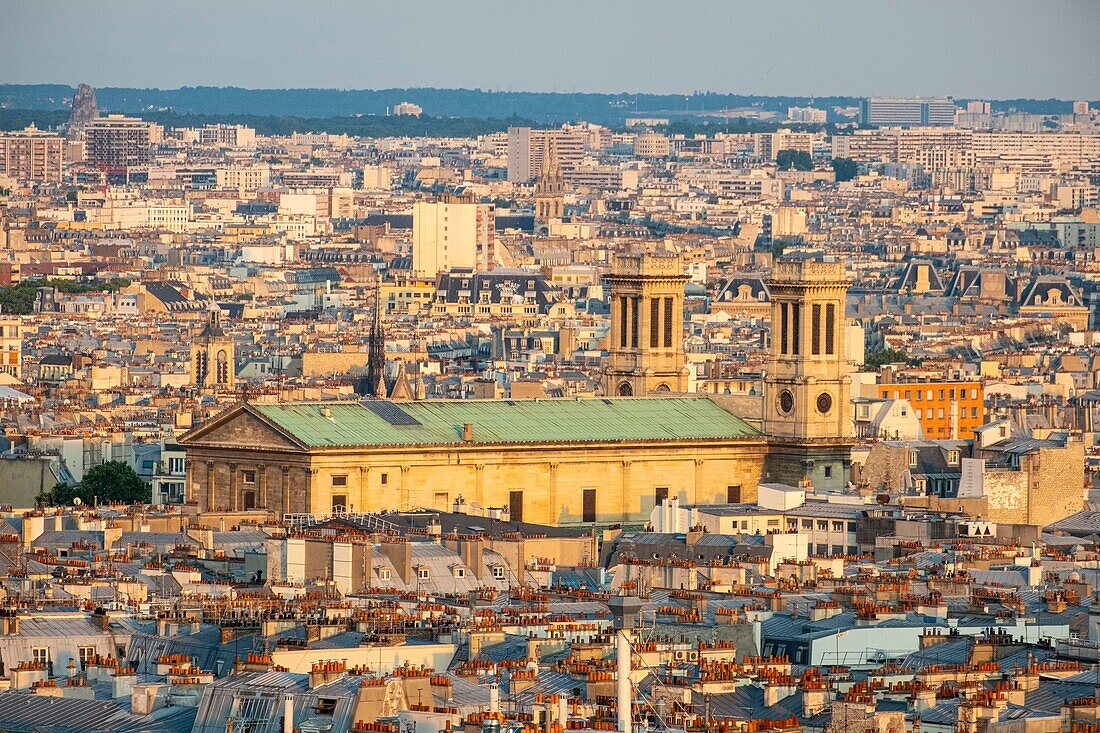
(945, 409)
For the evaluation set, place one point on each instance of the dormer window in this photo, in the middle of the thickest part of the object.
(498, 572)
(459, 572)
(952, 458)
(912, 459)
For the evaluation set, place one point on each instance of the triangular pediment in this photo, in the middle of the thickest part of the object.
(240, 427)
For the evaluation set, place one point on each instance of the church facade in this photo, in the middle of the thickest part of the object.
(568, 461)
(559, 462)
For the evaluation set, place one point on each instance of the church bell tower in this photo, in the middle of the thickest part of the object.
(807, 407)
(212, 364)
(549, 196)
(646, 345)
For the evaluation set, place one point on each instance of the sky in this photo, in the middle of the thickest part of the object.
(994, 49)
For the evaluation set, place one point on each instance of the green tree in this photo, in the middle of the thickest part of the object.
(113, 481)
(798, 160)
(875, 359)
(845, 169)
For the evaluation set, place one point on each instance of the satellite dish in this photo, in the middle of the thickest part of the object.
(77, 501)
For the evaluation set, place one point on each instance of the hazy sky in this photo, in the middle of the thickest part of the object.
(965, 48)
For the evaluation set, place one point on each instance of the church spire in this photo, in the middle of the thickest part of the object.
(375, 383)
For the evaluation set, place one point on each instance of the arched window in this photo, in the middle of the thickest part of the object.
(625, 390)
(223, 368)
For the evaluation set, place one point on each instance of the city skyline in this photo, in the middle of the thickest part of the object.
(789, 48)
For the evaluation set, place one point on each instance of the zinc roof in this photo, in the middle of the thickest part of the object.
(508, 421)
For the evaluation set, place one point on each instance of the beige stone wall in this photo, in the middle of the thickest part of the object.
(552, 478)
(1056, 483)
(320, 364)
(1006, 496)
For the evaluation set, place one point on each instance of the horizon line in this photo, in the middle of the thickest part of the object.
(482, 90)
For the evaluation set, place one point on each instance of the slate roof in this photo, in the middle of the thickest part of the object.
(379, 422)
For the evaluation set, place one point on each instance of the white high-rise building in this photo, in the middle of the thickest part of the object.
(526, 148)
(450, 235)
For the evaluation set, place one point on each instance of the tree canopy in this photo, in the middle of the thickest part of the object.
(113, 481)
(798, 160)
(18, 299)
(845, 169)
(876, 359)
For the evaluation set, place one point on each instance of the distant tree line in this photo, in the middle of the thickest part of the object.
(18, 299)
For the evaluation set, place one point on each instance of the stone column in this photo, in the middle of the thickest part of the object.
(554, 511)
(208, 500)
(479, 484)
(625, 497)
(261, 476)
(364, 481)
(406, 497)
(285, 471)
(233, 498)
(307, 499)
(698, 468)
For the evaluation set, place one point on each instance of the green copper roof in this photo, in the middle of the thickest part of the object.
(506, 421)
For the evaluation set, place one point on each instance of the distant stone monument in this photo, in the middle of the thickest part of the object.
(85, 109)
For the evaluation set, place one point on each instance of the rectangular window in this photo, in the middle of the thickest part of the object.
(784, 317)
(423, 572)
(828, 472)
(634, 322)
(341, 480)
(660, 494)
(822, 526)
(249, 477)
(249, 500)
(838, 526)
(383, 573)
(733, 494)
(385, 479)
(339, 503)
(669, 323)
(655, 322)
(622, 322)
(830, 330)
(86, 653)
(498, 572)
(515, 506)
(815, 329)
(589, 510)
(796, 317)
(807, 524)
(40, 655)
